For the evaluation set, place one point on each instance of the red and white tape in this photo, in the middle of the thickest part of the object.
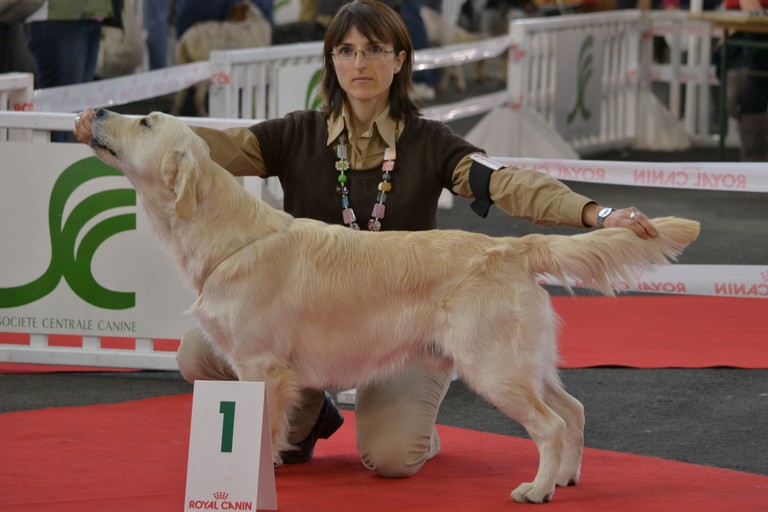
(748, 281)
(727, 176)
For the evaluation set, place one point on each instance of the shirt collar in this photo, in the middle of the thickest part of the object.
(384, 125)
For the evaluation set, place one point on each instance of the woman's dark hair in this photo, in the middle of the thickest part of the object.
(375, 21)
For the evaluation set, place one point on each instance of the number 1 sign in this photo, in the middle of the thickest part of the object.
(230, 452)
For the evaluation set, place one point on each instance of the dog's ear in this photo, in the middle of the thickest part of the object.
(179, 172)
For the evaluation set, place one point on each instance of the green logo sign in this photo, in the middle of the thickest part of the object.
(70, 260)
(585, 73)
(313, 99)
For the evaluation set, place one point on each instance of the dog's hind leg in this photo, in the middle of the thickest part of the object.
(572, 413)
(520, 399)
(201, 91)
(178, 101)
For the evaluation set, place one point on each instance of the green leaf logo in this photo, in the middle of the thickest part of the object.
(313, 99)
(70, 260)
(585, 73)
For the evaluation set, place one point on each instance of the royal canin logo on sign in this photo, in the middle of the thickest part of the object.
(220, 501)
(690, 179)
(744, 289)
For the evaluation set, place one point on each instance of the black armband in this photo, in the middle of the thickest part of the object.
(480, 182)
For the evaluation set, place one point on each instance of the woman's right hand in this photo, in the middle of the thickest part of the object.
(84, 125)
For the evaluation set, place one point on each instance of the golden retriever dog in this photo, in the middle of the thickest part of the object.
(246, 28)
(298, 303)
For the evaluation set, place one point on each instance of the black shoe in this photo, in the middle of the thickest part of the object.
(328, 421)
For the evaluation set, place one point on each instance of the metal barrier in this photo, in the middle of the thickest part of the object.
(618, 72)
(602, 67)
(15, 95)
(543, 74)
(269, 82)
(690, 73)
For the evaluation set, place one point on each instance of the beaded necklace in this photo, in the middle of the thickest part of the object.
(384, 187)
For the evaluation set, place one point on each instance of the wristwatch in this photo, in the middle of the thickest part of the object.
(601, 217)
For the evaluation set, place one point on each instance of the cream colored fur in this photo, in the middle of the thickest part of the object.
(250, 30)
(298, 303)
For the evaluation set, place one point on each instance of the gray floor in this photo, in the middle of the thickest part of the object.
(716, 416)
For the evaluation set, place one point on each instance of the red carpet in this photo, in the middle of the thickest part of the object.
(633, 331)
(132, 457)
(663, 331)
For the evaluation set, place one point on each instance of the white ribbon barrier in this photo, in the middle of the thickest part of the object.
(121, 90)
(747, 281)
(727, 176)
(470, 107)
(460, 53)
(142, 86)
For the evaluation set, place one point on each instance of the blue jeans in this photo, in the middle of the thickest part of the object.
(65, 53)
(410, 12)
(156, 24)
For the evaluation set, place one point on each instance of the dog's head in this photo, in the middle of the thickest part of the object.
(154, 150)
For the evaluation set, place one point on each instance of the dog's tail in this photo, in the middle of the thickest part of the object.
(599, 258)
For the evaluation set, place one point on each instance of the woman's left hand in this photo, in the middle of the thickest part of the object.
(630, 218)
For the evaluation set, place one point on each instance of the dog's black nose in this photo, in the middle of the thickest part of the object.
(101, 112)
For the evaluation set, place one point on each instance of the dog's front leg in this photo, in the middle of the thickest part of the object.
(283, 395)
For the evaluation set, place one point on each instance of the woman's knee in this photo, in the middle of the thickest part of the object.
(390, 462)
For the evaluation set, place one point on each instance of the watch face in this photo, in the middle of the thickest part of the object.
(605, 212)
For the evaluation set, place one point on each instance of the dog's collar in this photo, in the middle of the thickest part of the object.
(222, 260)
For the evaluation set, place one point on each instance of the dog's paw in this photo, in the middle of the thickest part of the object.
(570, 469)
(527, 493)
(277, 460)
(567, 478)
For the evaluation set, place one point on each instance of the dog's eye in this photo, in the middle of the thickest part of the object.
(144, 122)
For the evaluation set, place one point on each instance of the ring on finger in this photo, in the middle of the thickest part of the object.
(634, 214)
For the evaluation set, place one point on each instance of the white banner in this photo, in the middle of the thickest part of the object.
(747, 281)
(121, 90)
(78, 255)
(726, 176)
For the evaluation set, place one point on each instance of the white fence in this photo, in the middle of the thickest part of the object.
(262, 83)
(269, 82)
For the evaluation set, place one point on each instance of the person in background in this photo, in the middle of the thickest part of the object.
(189, 12)
(747, 87)
(64, 38)
(369, 150)
(424, 81)
(14, 52)
(156, 22)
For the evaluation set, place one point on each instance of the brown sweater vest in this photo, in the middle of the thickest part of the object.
(294, 149)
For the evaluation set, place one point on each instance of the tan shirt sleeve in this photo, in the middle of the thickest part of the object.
(527, 194)
(235, 149)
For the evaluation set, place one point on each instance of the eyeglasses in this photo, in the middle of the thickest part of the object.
(371, 54)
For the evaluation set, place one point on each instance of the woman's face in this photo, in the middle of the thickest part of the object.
(362, 78)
